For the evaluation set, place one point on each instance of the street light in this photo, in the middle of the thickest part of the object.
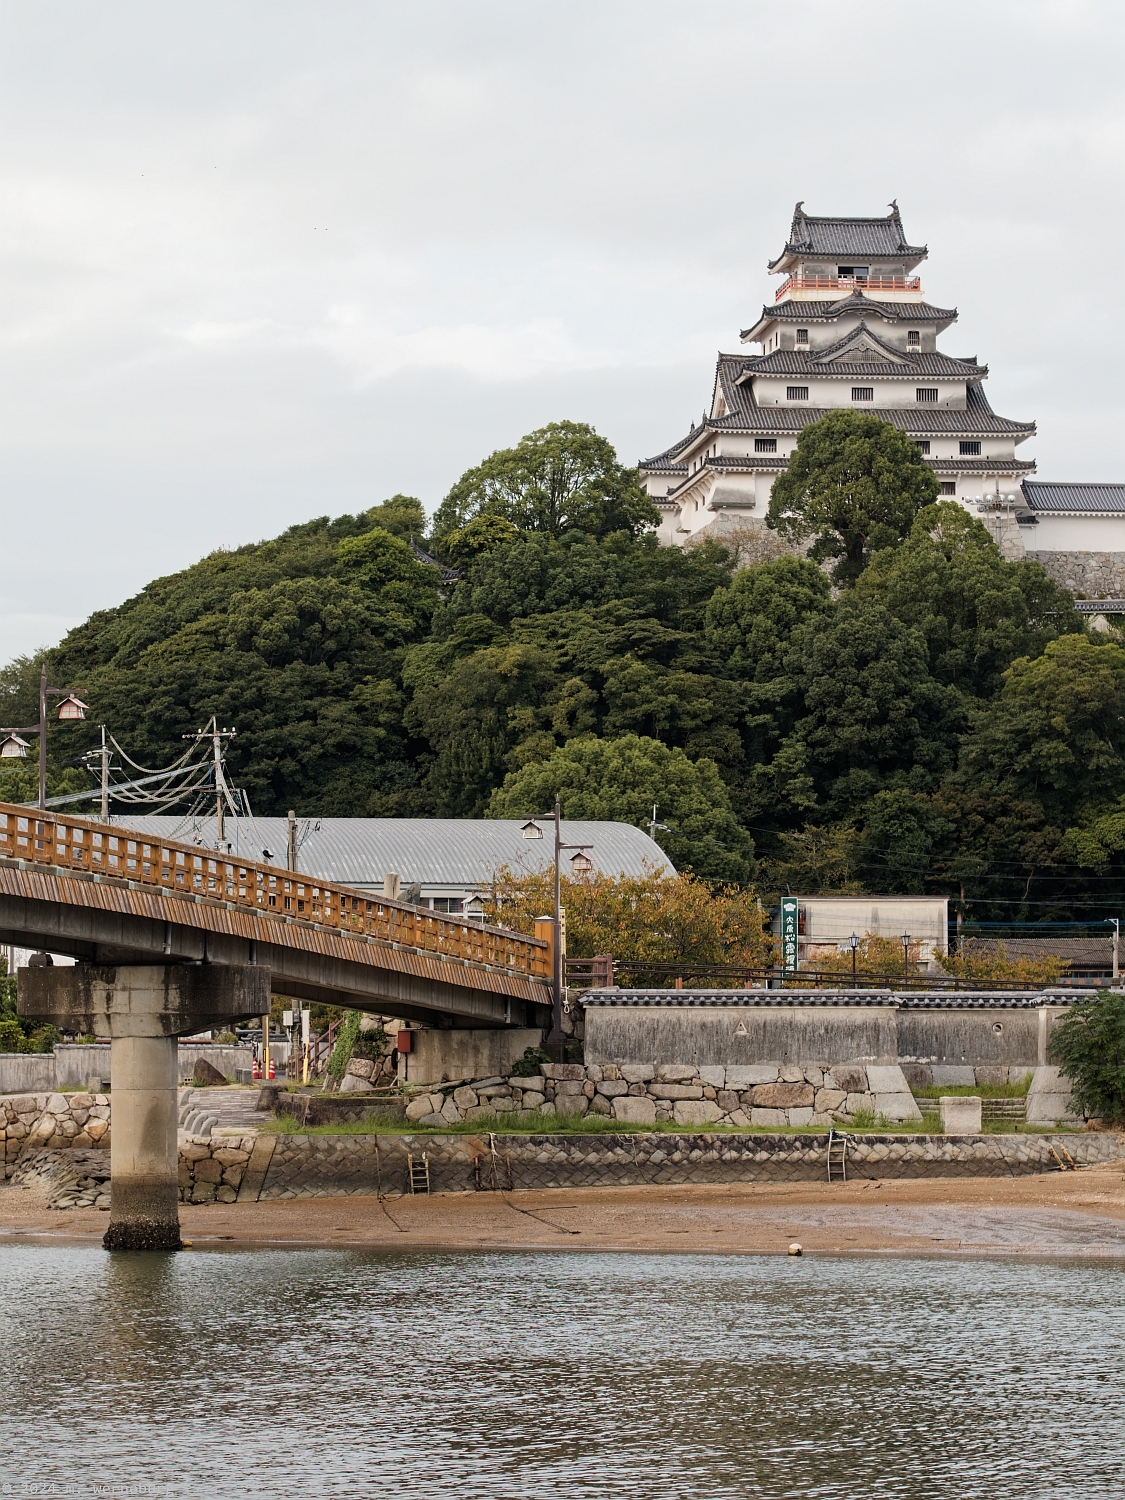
(532, 830)
(853, 944)
(13, 748)
(906, 955)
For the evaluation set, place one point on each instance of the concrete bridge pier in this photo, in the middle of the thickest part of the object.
(143, 1010)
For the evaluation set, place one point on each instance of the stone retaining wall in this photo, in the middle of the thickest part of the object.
(763, 1094)
(32, 1122)
(342, 1166)
(247, 1169)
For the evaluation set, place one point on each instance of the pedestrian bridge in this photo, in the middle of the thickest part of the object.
(100, 893)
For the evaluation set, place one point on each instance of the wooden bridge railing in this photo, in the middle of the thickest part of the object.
(80, 844)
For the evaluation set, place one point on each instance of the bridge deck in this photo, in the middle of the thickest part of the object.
(103, 893)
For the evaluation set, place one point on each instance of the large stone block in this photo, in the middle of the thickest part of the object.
(783, 1095)
(948, 1076)
(747, 1077)
(613, 1088)
(675, 1091)
(637, 1072)
(897, 1106)
(676, 1072)
(848, 1076)
(960, 1114)
(883, 1079)
(828, 1100)
(634, 1110)
(695, 1111)
(769, 1117)
(716, 1077)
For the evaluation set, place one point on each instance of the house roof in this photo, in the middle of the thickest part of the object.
(1105, 499)
(827, 312)
(830, 361)
(842, 237)
(436, 852)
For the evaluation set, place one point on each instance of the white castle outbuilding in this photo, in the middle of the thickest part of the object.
(850, 327)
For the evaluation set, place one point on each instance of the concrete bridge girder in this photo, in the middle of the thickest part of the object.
(410, 985)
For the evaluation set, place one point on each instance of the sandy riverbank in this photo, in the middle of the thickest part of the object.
(1073, 1213)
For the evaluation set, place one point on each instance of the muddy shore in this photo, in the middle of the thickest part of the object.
(1068, 1213)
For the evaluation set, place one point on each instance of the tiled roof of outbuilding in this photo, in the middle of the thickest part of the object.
(1043, 495)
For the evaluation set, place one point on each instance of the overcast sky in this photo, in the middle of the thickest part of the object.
(267, 261)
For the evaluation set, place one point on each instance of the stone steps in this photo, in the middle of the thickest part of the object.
(226, 1109)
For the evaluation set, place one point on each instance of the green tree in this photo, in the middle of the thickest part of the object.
(855, 484)
(749, 623)
(562, 477)
(872, 714)
(620, 780)
(976, 611)
(1056, 731)
(1089, 1048)
(402, 515)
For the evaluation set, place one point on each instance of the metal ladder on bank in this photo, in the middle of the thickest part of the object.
(838, 1155)
(419, 1174)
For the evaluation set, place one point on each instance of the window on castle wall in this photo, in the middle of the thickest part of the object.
(927, 395)
(922, 444)
(797, 393)
(913, 337)
(948, 487)
(970, 450)
(802, 335)
(863, 393)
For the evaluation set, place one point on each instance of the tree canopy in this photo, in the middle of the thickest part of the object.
(562, 477)
(854, 484)
(945, 724)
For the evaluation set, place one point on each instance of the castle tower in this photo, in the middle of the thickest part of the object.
(849, 327)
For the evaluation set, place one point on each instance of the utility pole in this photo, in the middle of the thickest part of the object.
(291, 842)
(216, 736)
(531, 830)
(105, 778)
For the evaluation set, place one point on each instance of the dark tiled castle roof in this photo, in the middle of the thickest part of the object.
(827, 312)
(847, 237)
(1107, 499)
(899, 362)
(745, 415)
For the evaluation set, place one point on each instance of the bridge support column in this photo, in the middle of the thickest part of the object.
(143, 1010)
(143, 1158)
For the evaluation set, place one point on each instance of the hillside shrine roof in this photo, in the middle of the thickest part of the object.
(839, 237)
(1074, 499)
(744, 415)
(875, 356)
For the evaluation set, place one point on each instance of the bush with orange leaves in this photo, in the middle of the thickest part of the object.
(989, 965)
(655, 918)
(883, 958)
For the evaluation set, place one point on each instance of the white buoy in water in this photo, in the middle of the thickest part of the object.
(794, 1248)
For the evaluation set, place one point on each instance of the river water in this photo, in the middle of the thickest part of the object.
(557, 1376)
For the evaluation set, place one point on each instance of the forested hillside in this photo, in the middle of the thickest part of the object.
(942, 722)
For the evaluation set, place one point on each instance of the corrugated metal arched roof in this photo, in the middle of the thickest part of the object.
(457, 853)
